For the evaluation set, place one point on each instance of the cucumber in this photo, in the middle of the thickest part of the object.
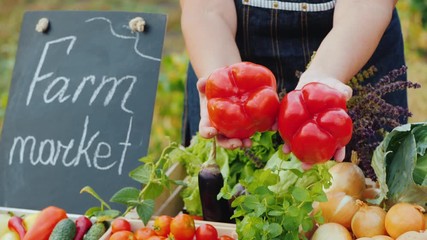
(64, 230)
(96, 231)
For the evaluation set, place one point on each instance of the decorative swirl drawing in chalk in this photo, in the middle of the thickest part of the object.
(136, 37)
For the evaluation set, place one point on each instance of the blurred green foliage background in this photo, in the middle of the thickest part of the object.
(168, 109)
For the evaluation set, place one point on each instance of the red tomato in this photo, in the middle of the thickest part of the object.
(144, 233)
(122, 235)
(225, 237)
(162, 225)
(120, 224)
(206, 232)
(314, 122)
(157, 238)
(195, 217)
(242, 99)
(182, 227)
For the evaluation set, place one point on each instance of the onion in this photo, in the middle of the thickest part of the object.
(329, 231)
(347, 177)
(379, 237)
(413, 235)
(371, 193)
(340, 208)
(404, 217)
(368, 221)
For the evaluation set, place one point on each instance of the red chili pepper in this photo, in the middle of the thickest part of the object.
(16, 224)
(314, 122)
(82, 226)
(242, 99)
(45, 223)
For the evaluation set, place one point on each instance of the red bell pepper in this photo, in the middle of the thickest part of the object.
(314, 122)
(16, 224)
(242, 99)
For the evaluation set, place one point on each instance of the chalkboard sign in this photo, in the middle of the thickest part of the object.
(80, 107)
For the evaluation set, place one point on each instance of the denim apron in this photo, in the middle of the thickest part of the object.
(283, 35)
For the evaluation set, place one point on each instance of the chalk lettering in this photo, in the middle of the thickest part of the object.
(23, 143)
(82, 150)
(97, 155)
(79, 89)
(53, 152)
(125, 144)
(37, 77)
(65, 154)
(62, 82)
(58, 95)
(110, 94)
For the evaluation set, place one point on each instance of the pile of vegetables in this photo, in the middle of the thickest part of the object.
(349, 212)
(51, 223)
(180, 227)
(270, 194)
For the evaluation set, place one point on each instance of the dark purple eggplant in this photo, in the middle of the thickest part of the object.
(210, 183)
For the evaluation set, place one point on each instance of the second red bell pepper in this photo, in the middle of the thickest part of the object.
(314, 122)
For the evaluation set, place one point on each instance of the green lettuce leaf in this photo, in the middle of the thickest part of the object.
(401, 166)
(291, 173)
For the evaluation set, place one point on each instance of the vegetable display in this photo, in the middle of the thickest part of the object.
(271, 194)
(314, 122)
(242, 99)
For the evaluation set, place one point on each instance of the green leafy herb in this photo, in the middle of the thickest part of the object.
(279, 199)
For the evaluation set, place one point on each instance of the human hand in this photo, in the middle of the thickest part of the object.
(334, 83)
(206, 130)
(330, 81)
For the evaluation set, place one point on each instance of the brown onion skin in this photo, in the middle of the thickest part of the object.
(368, 221)
(347, 177)
(404, 217)
(343, 216)
(379, 237)
(413, 235)
(329, 231)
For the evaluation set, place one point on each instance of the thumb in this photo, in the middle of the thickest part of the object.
(340, 154)
(201, 85)
(286, 148)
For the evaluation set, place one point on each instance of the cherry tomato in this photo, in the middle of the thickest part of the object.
(195, 217)
(206, 232)
(120, 224)
(225, 237)
(144, 233)
(182, 227)
(157, 238)
(122, 235)
(162, 225)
